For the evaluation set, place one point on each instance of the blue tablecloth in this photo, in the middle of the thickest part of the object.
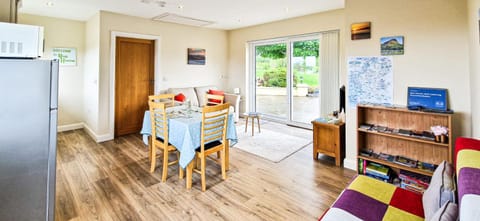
(184, 133)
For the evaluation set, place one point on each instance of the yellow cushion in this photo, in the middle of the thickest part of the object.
(395, 214)
(373, 188)
(468, 158)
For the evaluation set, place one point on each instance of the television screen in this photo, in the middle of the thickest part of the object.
(427, 98)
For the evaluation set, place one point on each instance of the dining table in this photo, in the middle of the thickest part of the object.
(184, 131)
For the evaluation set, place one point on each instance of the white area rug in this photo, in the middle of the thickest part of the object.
(269, 144)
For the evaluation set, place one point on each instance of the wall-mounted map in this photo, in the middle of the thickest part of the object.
(370, 80)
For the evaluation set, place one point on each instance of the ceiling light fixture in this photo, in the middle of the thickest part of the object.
(158, 2)
(174, 18)
(180, 7)
(50, 4)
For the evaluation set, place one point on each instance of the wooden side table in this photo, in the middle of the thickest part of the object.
(252, 115)
(329, 139)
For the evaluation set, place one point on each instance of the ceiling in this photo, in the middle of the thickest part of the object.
(225, 14)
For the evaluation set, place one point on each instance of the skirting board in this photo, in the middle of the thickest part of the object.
(350, 163)
(68, 127)
(97, 138)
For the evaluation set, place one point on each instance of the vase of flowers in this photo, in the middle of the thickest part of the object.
(441, 133)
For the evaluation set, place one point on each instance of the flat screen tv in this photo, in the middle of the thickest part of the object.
(427, 98)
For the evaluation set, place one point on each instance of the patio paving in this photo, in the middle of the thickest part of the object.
(305, 109)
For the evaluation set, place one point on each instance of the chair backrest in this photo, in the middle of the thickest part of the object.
(158, 119)
(213, 99)
(214, 124)
(168, 99)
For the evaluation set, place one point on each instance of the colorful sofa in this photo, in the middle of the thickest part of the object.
(370, 199)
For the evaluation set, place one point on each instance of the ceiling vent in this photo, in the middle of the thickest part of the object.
(174, 18)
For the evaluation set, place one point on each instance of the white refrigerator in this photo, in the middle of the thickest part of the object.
(28, 138)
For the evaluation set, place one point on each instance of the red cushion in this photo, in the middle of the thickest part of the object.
(462, 143)
(180, 97)
(216, 92)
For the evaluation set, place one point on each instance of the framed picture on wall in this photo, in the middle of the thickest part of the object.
(360, 30)
(65, 56)
(391, 45)
(196, 56)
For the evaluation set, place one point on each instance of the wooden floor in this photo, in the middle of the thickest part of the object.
(110, 181)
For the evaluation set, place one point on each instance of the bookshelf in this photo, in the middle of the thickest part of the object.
(393, 143)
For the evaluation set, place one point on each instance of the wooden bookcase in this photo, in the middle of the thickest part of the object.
(395, 144)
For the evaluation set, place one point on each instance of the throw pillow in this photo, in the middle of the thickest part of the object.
(216, 92)
(440, 190)
(448, 212)
(180, 97)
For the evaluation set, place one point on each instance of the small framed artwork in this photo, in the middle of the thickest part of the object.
(391, 45)
(360, 30)
(196, 56)
(65, 56)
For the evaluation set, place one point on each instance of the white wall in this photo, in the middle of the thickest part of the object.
(473, 24)
(91, 74)
(238, 39)
(174, 71)
(64, 33)
(436, 52)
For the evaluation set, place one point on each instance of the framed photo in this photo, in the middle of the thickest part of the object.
(391, 45)
(196, 56)
(65, 56)
(360, 30)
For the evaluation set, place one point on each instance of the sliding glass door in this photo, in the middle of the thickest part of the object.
(286, 75)
(271, 80)
(305, 90)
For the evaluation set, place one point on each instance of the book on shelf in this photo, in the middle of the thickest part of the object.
(404, 132)
(366, 152)
(426, 166)
(414, 178)
(378, 168)
(386, 157)
(366, 126)
(405, 161)
(412, 187)
(387, 180)
(362, 164)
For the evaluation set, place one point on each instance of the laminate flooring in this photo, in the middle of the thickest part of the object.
(110, 181)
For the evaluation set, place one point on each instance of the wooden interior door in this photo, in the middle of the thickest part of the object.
(134, 78)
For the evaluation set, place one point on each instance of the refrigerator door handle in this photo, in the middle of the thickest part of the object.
(54, 85)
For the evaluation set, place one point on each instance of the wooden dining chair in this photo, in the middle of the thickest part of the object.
(213, 140)
(168, 99)
(213, 99)
(158, 118)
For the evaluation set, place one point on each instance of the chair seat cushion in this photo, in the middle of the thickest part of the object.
(210, 145)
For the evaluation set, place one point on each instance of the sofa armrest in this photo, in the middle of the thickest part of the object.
(462, 143)
(234, 101)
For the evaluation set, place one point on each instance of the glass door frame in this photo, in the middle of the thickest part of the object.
(289, 87)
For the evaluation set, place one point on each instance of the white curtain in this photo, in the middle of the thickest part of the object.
(329, 76)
